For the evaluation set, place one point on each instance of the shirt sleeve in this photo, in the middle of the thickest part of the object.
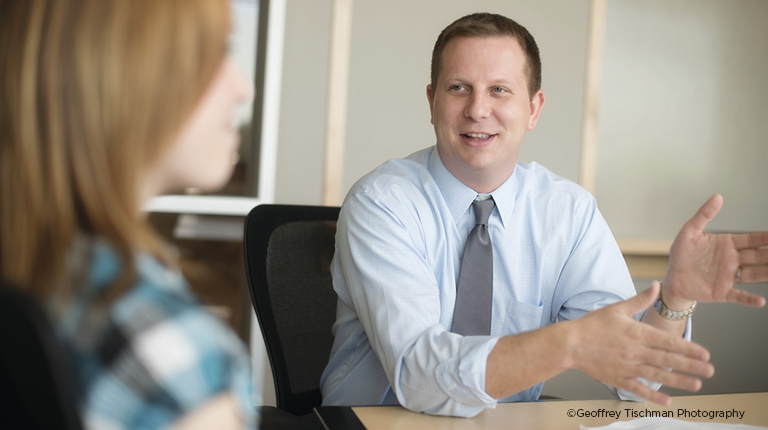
(595, 274)
(162, 357)
(395, 294)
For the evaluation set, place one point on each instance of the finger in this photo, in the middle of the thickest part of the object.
(753, 274)
(706, 212)
(744, 298)
(750, 240)
(669, 379)
(663, 341)
(753, 257)
(637, 387)
(644, 300)
(677, 362)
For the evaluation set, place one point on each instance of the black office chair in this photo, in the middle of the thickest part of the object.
(36, 390)
(288, 251)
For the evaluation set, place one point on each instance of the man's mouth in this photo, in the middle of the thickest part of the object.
(478, 139)
(477, 135)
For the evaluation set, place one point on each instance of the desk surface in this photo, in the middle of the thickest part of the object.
(554, 415)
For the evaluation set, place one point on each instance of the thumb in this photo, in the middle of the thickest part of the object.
(706, 213)
(641, 301)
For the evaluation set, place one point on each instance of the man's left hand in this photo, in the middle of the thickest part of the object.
(704, 266)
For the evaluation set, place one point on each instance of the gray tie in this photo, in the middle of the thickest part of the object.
(474, 295)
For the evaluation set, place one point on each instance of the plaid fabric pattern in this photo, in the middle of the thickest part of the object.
(154, 355)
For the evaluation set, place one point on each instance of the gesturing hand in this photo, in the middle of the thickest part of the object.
(703, 266)
(614, 349)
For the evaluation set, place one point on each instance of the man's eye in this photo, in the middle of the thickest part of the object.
(498, 90)
(457, 87)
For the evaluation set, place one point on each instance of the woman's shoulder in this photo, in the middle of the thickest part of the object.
(154, 353)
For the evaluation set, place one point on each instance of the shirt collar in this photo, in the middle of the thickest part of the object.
(459, 197)
(505, 196)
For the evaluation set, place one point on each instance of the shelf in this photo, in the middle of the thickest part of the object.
(203, 205)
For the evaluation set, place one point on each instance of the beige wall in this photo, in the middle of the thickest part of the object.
(683, 115)
(301, 140)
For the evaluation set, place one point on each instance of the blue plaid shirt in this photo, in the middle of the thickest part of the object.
(154, 354)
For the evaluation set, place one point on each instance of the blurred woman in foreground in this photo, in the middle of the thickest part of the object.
(105, 104)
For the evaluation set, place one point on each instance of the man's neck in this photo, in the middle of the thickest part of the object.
(481, 182)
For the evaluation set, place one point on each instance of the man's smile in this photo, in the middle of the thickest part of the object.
(477, 139)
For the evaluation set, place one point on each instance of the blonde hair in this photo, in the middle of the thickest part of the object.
(92, 93)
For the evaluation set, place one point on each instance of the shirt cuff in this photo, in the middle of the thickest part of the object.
(632, 397)
(462, 376)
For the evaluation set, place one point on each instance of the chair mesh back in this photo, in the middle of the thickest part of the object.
(302, 296)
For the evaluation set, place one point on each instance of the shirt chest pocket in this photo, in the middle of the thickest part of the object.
(521, 317)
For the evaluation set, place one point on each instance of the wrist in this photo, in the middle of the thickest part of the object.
(567, 335)
(670, 313)
(670, 297)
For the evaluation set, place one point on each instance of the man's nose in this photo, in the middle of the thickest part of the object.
(478, 106)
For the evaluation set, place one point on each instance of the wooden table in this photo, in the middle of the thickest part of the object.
(552, 415)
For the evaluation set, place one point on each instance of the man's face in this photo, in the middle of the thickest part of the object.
(481, 109)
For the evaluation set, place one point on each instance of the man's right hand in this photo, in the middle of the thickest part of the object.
(613, 348)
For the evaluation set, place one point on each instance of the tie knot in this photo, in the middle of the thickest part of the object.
(483, 209)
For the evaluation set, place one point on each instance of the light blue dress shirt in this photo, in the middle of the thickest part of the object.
(399, 243)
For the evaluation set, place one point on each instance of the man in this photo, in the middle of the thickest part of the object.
(424, 322)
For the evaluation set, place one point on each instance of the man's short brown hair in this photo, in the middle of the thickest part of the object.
(490, 25)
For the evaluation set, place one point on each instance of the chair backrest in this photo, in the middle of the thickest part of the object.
(288, 251)
(36, 389)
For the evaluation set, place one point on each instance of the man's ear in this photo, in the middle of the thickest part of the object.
(537, 104)
(431, 99)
